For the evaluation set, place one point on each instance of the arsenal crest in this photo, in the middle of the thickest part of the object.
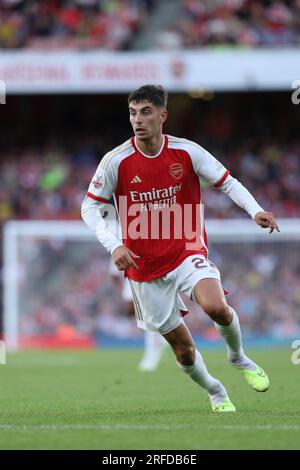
(176, 170)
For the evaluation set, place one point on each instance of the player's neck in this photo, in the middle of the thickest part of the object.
(152, 146)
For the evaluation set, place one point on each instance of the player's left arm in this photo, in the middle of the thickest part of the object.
(218, 176)
(243, 198)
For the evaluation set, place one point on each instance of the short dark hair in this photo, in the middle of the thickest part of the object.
(155, 94)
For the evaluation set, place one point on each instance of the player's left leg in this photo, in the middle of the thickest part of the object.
(208, 293)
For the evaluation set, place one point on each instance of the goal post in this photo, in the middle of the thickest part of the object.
(57, 272)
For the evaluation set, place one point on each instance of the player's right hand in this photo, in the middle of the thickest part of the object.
(122, 257)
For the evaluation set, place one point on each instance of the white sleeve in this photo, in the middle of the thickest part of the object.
(91, 214)
(100, 190)
(240, 195)
(103, 183)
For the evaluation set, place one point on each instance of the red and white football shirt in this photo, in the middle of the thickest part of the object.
(148, 191)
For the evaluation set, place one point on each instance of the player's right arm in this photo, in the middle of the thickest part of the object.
(97, 198)
(96, 201)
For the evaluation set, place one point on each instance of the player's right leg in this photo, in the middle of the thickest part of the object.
(158, 308)
(191, 362)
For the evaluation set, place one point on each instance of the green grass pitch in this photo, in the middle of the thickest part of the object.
(98, 400)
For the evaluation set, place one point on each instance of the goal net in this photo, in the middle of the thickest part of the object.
(57, 287)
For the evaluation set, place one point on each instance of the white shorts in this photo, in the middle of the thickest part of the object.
(158, 304)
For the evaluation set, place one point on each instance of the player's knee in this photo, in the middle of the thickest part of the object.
(219, 312)
(185, 354)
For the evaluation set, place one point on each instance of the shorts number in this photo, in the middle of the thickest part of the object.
(198, 262)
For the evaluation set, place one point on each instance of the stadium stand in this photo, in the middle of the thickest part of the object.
(121, 24)
(77, 24)
(242, 23)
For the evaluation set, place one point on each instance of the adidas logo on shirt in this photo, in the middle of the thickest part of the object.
(136, 179)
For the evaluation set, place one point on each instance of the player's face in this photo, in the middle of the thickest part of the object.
(146, 119)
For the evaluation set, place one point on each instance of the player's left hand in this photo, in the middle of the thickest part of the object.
(266, 220)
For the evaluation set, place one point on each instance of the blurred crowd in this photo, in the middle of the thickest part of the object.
(243, 23)
(80, 24)
(112, 24)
